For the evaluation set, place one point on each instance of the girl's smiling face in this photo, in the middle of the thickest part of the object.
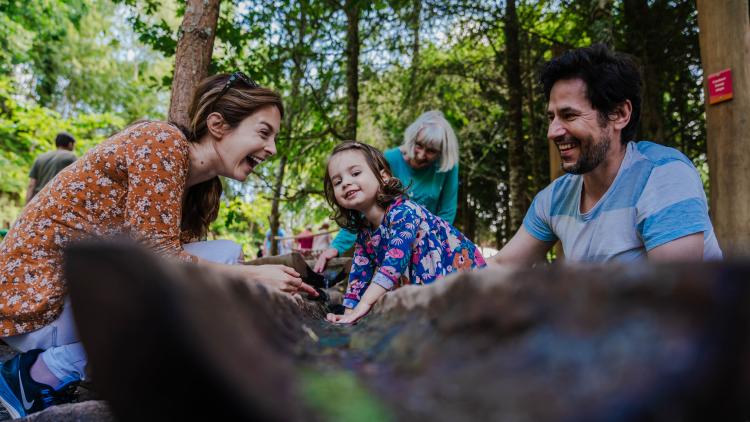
(355, 186)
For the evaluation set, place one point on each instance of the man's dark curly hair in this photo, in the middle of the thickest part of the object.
(388, 191)
(610, 78)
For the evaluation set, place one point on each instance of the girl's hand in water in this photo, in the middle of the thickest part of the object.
(281, 277)
(351, 316)
(327, 254)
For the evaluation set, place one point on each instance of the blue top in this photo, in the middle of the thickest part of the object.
(656, 197)
(436, 191)
(410, 246)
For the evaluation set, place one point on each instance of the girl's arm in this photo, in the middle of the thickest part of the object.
(394, 265)
(404, 226)
(363, 265)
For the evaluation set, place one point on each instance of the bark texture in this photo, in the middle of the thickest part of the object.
(725, 44)
(517, 162)
(194, 48)
(353, 10)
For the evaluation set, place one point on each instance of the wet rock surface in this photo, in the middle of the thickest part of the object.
(552, 344)
(86, 411)
(588, 343)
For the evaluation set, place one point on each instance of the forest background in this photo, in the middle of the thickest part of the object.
(347, 69)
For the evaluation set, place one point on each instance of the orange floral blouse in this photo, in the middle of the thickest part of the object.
(131, 183)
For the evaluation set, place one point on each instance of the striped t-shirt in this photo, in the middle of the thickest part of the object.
(656, 197)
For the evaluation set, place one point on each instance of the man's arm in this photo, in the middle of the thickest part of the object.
(522, 250)
(30, 189)
(686, 248)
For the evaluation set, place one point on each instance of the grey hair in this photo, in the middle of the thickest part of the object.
(437, 132)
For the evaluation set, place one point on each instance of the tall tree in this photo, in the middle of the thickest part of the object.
(516, 162)
(194, 49)
(299, 61)
(725, 42)
(414, 23)
(353, 11)
(644, 40)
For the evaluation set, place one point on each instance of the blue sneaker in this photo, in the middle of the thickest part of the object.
(21, 395)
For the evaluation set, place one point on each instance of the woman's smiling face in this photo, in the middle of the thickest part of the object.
(241, 149)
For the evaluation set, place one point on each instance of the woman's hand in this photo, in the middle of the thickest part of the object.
(350, 316)
(327, 254)
(280, 277)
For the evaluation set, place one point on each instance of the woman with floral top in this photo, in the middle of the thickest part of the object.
(153, 181)
(398, 241)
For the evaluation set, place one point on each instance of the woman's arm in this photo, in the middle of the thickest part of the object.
(448, 203)
(278, 277)
(341, 243)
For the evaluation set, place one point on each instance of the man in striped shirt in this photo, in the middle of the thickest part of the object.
(621, 200)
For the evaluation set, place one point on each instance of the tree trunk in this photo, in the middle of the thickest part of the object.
(277, 191)
(411, 94)
(194, 47)
(518, 197)
(642, 38)
(538, 139)
(555, 162)
(288, 129)
(725, 44)
(352, 10)
(601, 23)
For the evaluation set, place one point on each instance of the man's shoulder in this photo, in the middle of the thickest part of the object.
(658, 154)
(45, 156)
(67, 155)
(562, 186)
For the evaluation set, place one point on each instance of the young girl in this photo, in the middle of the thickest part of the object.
(398, 241)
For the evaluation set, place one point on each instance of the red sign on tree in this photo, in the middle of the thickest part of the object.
(720, 86)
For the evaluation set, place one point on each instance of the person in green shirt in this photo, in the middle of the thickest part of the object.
(47, 165)
(427, 163)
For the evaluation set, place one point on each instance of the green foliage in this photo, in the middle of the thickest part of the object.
(27, 129)
(91, 66)
(76, 56)
(67, 65)
(244, 221)
(319, 387)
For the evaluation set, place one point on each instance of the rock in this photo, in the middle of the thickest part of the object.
(178, 342)
(560, 343)
(88, 411)
(6, 352)
(337, 269)
(581, 343)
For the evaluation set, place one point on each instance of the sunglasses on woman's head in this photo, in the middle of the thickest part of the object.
(234, 77)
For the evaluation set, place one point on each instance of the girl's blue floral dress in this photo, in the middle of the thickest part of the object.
(411, 246)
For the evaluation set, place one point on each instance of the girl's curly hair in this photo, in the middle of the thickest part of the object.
(388, 191)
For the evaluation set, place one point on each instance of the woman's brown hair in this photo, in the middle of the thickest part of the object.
(235, 100)
(388, 190)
